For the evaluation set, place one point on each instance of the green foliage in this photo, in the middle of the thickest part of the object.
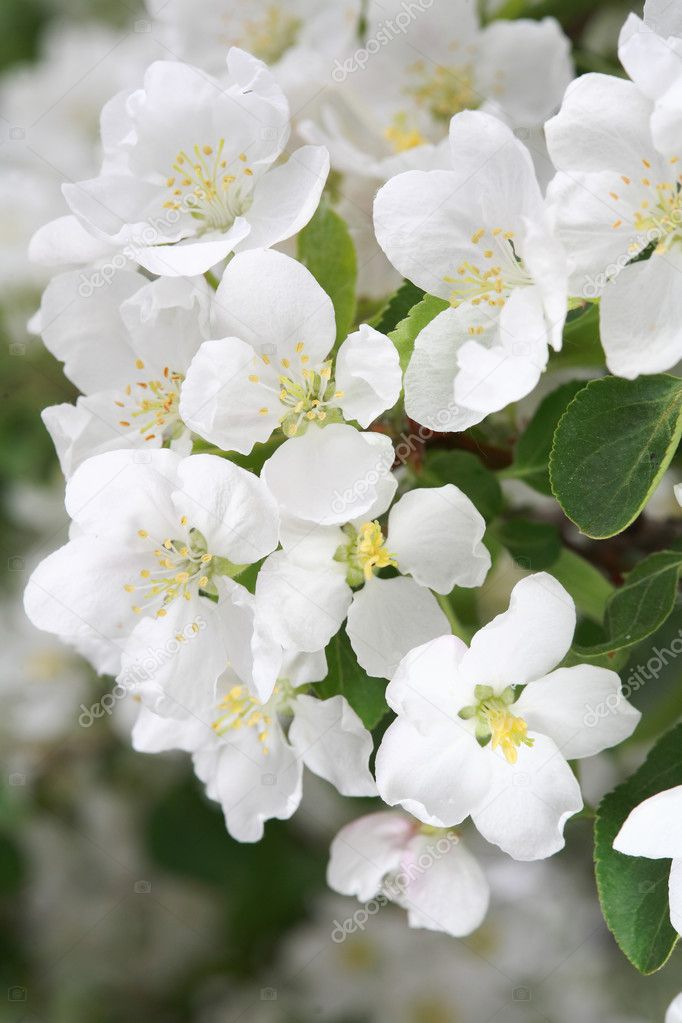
(588, 587)
(345, 676)
(326, 248)
(397, 307)
(533, 545)
(633, 890)
(611, 448)
(468, 473)
(531, 457)
(404, 335)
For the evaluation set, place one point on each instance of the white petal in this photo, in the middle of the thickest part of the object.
(387, 618)
(368, 372)
(292, 309)
(329, 476)
(252, 786)
(640, 316)
(528, 803)
(364, 851)
(654, 828)
(448, 890)
(528, 640)
(66, 240)
(72, 313)
(154, 734)
(437, 777)
(675, 897)
(435, 534)
(664, 18)
(286, 197)
(333, 743)
(674, 1013)
(229, 505)
(189, 258)
(423, 688)
(253, 653)
(302, 605)
(88, 428)
(581, 708)
(221, 403)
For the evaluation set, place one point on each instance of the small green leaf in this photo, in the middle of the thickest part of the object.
(326, 248)
(641, 605)
(531, 457)
(633, 891)
(364, 694)
(468, 473)
(533, 545)
(403, 337)
(581, 345)
(611, 448)
(397, 307)
(588, 587)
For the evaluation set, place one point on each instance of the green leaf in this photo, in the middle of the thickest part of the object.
(533, 545)
(364, 694)
(531, 457)
(611, 448)
(641, 605)
(588, 587)
(403, 337)
(397, 307)
(326, 248)
(581, 345)
(468, 473)
(633, 891)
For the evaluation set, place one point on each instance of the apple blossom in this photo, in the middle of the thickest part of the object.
(426, 870)
(467, 743)
(478, 237)
(251, 754)
(274, 368)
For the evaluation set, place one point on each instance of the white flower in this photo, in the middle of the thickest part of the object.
(334, 544)
(663, 17)
(616, 195)
(155, 539)
(145, 336)
(273, 367)
(395, 94)
(250, 754)
(450, 700)
(426, 871)
(478, 237)
(272, 31)
(654, 830)
(674, 1013)
(189, 160)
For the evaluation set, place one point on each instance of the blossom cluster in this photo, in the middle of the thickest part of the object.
(247, 556)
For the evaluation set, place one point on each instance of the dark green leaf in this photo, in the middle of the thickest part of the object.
(403, 337)
(581, 343)
(326, 248)
(397, 307)
(468, 473)
(531, 457)
(364, 694)
(633, 891)
(533, 545)
(611, 448)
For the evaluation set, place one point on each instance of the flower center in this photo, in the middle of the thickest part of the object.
(153, 405)
(501, 270)
(210, 190)
(496, 722)
(365, 553)
(305, 395)
(444, 91)
(239, 709)
(270, 36)
(180, 568)
(659, 215)
(401, 135)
